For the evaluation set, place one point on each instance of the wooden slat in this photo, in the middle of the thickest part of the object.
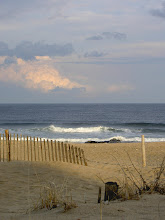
(32, 153)
(37, 150)
(45, 150)
(52, 148)
(14, 149)
(17, 151)
(66, 152)
(55, 147)
(34, 147)
(70, 157)
(41, 149)
(79, 151)
(73, 154)
(0, 149)
(29, 148)
(77, 160)
(25, 149)
(62, 148)
(59, 151)
(10, 150)
(85, 163)
(20, 147)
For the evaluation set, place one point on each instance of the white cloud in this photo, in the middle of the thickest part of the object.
(40, 75)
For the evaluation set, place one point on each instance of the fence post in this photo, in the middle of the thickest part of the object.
(17, 147)
(14, 150)
(24, 148)
(0, 149)
(7, 146)
(79, 151)
(73, 154)
(3, 148)
(41, 149)
(70, 158)
(37, 151)
(143, 152)
(66, 152)
(85, 163)
(44, 150)
(62, 148)
(31, 152)
(20, 147)
(59, 151)
(55, 146)
(50, 152)
(29, 148)
(53, 156)
(11, 151)
(76, 155)
(34, 148)
(48, 156)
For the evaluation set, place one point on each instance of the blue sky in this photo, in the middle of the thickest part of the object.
(64, 51)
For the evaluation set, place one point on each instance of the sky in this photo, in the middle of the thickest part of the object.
(82, 51)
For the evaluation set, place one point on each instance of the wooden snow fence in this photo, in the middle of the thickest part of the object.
(14, 147)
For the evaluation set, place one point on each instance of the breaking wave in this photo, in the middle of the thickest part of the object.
(122, 139)
(54, 129)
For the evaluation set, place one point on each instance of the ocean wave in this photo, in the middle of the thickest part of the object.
(121, 138)
(83, 140)
(54, 129)
(144, 124)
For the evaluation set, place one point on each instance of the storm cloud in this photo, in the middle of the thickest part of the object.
(159, 12)
(108, 35)
(28, 50)
(94, 54)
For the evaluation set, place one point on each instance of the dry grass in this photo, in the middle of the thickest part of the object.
(52, 196)
(135, 184)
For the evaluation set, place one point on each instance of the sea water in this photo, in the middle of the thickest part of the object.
(85, 122)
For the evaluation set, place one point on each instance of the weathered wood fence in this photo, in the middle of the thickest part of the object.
(14, 147)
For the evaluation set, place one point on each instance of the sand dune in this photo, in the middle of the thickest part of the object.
(19, 183)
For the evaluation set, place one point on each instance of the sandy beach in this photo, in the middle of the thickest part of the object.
(20, 181)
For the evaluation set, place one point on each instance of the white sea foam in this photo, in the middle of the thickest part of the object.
(54, 129)
(83, 140)
(122, 139)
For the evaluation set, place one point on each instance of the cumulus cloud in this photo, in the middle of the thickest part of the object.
(28, 50)
(159, 12)
(120, 88)
(37, 75)
(108, 35)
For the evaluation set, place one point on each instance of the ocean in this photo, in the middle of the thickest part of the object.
(85, 122)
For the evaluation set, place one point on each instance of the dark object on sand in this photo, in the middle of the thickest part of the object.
(99, 195)
(113, 140)
(111, 190)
